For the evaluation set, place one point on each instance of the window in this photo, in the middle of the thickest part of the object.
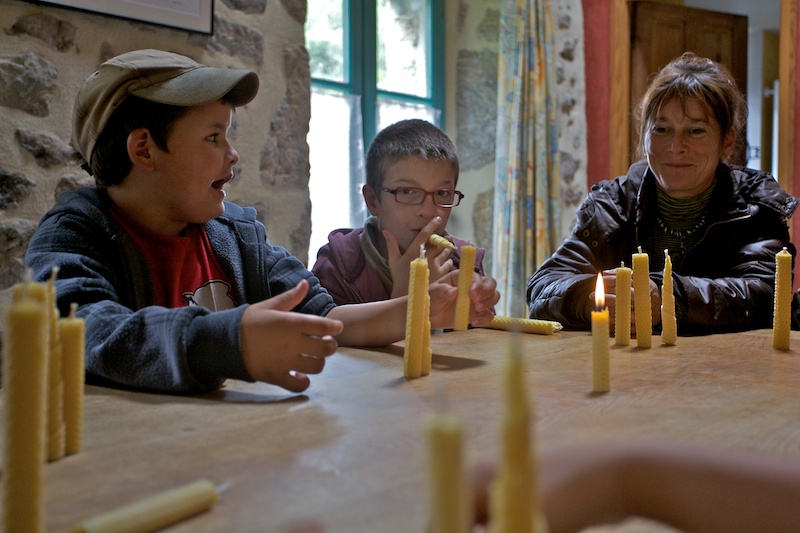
(373, 62)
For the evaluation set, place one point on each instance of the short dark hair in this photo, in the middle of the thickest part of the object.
(408, 138)
(690, 77)
(110, 161)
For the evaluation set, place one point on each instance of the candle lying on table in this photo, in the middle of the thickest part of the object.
(154, 512)
(524, 325)
(25, 348)
(72, 331)
(600, 339)
(417, 350)
(449, 511)
(641, 299)
(465, 271)
(781, 319)
(441, 242)
(514, 495)
(622, 309)
(669, 324)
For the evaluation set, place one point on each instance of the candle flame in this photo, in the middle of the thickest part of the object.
(599, 293)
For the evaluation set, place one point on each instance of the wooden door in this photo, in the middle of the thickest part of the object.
(661, 32)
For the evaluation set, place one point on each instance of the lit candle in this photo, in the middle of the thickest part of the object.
(25, 348)
(449, 510)
(669, 324)
(524, 325)
(600, 340)
(781, 315)
(417, 323)
(622, 309)
(72, 330)
(154, 512)
(641, 299)
(465, 271)
(514, 495)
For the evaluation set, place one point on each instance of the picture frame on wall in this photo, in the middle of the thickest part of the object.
(192, 15)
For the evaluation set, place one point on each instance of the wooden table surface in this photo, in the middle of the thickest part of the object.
(350, 452)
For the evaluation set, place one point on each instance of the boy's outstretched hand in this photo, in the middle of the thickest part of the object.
(483, 296)
(280, 346)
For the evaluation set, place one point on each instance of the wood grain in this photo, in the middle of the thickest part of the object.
(350, 452)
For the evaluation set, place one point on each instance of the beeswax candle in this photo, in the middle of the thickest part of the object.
(641, 299)
(449, 511)
(25, 348)
(465, 271)
(524, 325)
(600, 340)
(56, 430)
(417, 323)
(72, 330)
(781, 315)
(514, 495)
(622, 308)
(441, 242)
(154, 512)
(669, 324)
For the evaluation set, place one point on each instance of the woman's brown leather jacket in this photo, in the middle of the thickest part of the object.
(724, 282)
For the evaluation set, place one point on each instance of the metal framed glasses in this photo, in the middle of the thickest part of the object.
(415, 196)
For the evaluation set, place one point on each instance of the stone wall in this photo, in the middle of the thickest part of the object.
(45, 54)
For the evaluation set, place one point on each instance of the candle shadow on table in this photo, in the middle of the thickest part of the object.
(438, 361)
(240, 394)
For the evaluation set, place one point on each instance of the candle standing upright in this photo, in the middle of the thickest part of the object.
(418, 331)
(601, 380)
(622, 309)
(72, 331)
(669, 323)
(25, 352)
(642, 305)
(465, 272)
(781, 315)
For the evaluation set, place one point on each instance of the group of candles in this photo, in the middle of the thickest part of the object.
(417, 351)
(514, 494)
(643, 310)
(43, 377)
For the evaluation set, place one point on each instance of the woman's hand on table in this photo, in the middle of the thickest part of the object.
(611, 291)
(280, 346)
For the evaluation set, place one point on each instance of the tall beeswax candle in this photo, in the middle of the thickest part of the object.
(600, 340)
(449, 511)
(781, 315)
(72, 330)
(514, 495)
(56, 431)
(669, 323)
(465, 271)
(622, 308)
(417, 323)
(641, 299)
(154, 512)
(25, 347)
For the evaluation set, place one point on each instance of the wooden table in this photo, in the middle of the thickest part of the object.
(350, 451)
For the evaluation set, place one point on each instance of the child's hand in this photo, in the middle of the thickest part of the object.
(400, 264)
(280, 346)
(483, 297)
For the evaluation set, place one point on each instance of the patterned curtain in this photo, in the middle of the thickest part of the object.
(527, 176)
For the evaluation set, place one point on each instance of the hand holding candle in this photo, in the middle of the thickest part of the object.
(600, 340)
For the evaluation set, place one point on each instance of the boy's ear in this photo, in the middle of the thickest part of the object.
(139, 147)
(371, 198)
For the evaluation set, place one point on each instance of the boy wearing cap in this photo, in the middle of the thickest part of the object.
(179, 288)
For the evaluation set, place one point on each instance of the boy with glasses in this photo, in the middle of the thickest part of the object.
(412, 173)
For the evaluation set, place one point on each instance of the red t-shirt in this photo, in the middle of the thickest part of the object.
(183, 268)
